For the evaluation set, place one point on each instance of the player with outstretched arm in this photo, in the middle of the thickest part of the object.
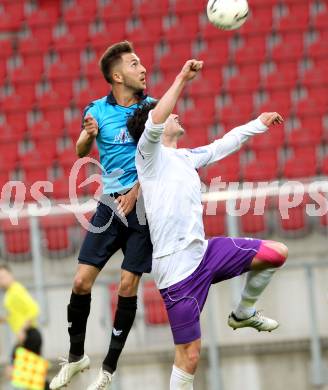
(185, 265)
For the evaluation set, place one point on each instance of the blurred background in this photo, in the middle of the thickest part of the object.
(278, 61)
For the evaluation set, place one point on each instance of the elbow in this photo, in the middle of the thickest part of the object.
(157, 118)
(79, 151)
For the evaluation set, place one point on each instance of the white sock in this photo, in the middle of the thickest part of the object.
(181, 380)
(256, 281)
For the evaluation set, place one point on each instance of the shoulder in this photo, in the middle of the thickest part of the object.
(96, 104)
(15, 289)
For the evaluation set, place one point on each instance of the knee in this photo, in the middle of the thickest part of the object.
(272, 254)
(282, 251)
(188, 358)
(128, 285)
(193, 359)
(82, 285)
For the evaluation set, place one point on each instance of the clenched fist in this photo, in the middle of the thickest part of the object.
(190, 69)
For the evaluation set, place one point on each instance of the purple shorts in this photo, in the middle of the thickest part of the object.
(224, 258)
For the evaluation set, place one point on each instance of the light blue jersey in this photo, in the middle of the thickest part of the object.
(116, 147)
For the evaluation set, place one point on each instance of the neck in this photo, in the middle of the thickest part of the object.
(125, 96)
(170, 141)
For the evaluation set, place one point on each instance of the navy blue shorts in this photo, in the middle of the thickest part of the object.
(133, 240)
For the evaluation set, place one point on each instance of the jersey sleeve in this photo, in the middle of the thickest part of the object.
(149, 146)
(231, 142)
(92, 110)
(150, 139)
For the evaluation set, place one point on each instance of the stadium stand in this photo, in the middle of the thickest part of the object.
(49, 73)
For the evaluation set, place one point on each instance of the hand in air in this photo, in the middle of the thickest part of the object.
(90, 125)
(271, 118)
(190, 69)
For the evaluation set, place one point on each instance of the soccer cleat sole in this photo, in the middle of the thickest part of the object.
(66, 385)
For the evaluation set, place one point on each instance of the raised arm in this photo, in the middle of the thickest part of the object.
(166, 104)
(154, 126)
(234, 139)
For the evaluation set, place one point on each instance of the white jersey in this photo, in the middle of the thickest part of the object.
(172, 194)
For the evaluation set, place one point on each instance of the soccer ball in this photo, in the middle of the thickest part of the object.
(227, 14)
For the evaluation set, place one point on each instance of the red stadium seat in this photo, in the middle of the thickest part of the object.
(213, 75)
(253, 222)
(8, 152)
(14, 103)
(259, 21)
(305, 136)
(114, 32)
(80, 14)
(33, 157)
(25, 91)
(183, 7)
(80, 32)
(239, 111)
(3, 68)
(277, 100)
(155, 311)
(153, 26)
(73, 128)
(62, 185)
(211, 58)
(66, 159)
(16, 239)
(247, 80)
(214, 214)
(318, 49)
(24, 75)
(283, 78)
(290, 48)
(116, 10)
(37, 44)
(41, 17)
(320, 20)
(252, 52)
(6, 48)
(309, 166)
(50, 100)
(296, 223)
(62, 71)
(310, 107)
(146, 9)
(315, 77)
(56, 230)
(228, 170)
(142, 37)
(260, 170)
(85, 97)
(297, 18)
(9, 24)
(259, 4)
(175, 58)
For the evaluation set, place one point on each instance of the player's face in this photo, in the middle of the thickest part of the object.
(173, 127)
(133, 72)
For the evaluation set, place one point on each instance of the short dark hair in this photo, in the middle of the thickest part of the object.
(136, 122)
(112, 56)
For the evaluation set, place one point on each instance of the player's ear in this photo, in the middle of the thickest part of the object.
(117, 77)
